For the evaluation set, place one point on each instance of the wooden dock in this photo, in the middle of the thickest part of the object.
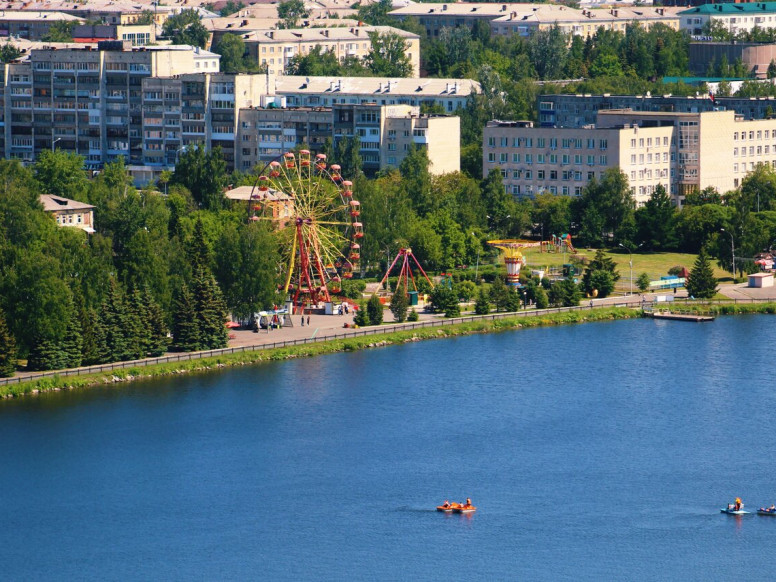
(678, 316)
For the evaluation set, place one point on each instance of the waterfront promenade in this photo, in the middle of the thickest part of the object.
(326, 327)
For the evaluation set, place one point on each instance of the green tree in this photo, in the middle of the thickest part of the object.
(115, 323)
(72, 343)
(701, 283)
(605, 209)
(361, 318)
(772, 69)
(388, 55)
(186, 28)
(399, 304)
(185, 333)
(565, 293)
(203, 173)
(62, 174)
(9, 53)
(46, 354)
(376, 13)
(290, 12)
(60, 31)
(8, 361)
(234, 58)
(482, 304)
(316, 63)
(592, 279)
(643, 282)
(499, 294)
(374, 310)
(548, 50)
(542, 299)
(246, 263)
(656, 222)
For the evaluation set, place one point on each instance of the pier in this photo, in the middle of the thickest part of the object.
(678, 316)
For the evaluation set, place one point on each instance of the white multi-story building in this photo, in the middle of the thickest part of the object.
(680, 151)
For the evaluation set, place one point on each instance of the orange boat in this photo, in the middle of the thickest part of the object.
(456, 507)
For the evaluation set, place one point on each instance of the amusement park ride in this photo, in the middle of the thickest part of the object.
(513, 256)
(320, 237)
(405, 273)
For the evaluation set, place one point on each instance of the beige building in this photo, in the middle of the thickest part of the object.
(32, 25)
(276, 48)
(733, 17)
(449, 94)
(69, 213)
(135, 34)
(681, 151)
(522, 19)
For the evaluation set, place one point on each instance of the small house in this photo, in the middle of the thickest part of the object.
(69, 212)
(760, 280)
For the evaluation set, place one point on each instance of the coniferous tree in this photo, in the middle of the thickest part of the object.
(374, 310)
(482, 304)
(399, 304)
(361, 318)
(113, 321)
(72, 344)
(46, 354)
(157, 327)
(93, 345)
(7, 350)
(211, 311)
(138, 328)
(701, 283)
(185, 325)
(601, 275)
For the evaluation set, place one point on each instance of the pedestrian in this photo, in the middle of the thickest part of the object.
(303, 321)
(591, 304)
(308, 320)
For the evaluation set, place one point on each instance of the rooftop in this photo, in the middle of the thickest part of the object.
(56, 203)
(318, 34)
(376, 86)
(732, 9)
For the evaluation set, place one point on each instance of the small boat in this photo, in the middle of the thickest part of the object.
(446, 508)
(766, 511)
(732, 511)
(464, 509)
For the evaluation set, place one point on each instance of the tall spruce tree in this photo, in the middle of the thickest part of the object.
(211, 310)
(701, 283)
(157, 327)
(185, 333)
(400, 303)
(138, 328)
(8, 360)
(93, 345)
(46, 354)
(72, 343)
(113, 321)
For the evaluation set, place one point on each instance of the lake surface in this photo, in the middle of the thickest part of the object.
(593, 452)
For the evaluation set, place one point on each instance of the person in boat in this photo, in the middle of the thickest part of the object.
(446, 504)
(772, 508)
(738, 504)
(468, 502)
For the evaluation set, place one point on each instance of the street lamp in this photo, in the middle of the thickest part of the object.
(732, 252)
(630, 261)
(53, 143)
(477, 266)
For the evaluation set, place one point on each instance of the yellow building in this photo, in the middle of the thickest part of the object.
(276, 48)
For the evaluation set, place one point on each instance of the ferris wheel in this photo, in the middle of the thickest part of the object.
(318, 224)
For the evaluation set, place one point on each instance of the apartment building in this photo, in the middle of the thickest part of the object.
(580, 110)
(524, 18)
(449, 94)
(681, 151)
(276, 48)
(264, 134)
(385, 134)
(189, 109)
(32, 25)
(735, 18)
(136, 34)
(87, 100)
(562, 161)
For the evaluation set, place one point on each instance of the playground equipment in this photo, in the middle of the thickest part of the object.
(513, 256)
(405, 273)
(321, 238)
(558, 244)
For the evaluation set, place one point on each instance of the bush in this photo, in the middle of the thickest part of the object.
(676, 270)
(542, 300)
(374, 310)
(482, 305)
(412, 315)
(361, 318)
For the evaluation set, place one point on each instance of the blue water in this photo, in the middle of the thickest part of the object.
(593, 452)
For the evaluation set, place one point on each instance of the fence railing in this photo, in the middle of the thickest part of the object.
(355, 332)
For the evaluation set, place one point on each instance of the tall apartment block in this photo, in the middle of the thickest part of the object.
(681, 151)
(385, 134)
(87, 100)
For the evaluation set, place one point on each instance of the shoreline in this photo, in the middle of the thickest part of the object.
(56, 383)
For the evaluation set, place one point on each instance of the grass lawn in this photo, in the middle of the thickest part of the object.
(655, 265)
